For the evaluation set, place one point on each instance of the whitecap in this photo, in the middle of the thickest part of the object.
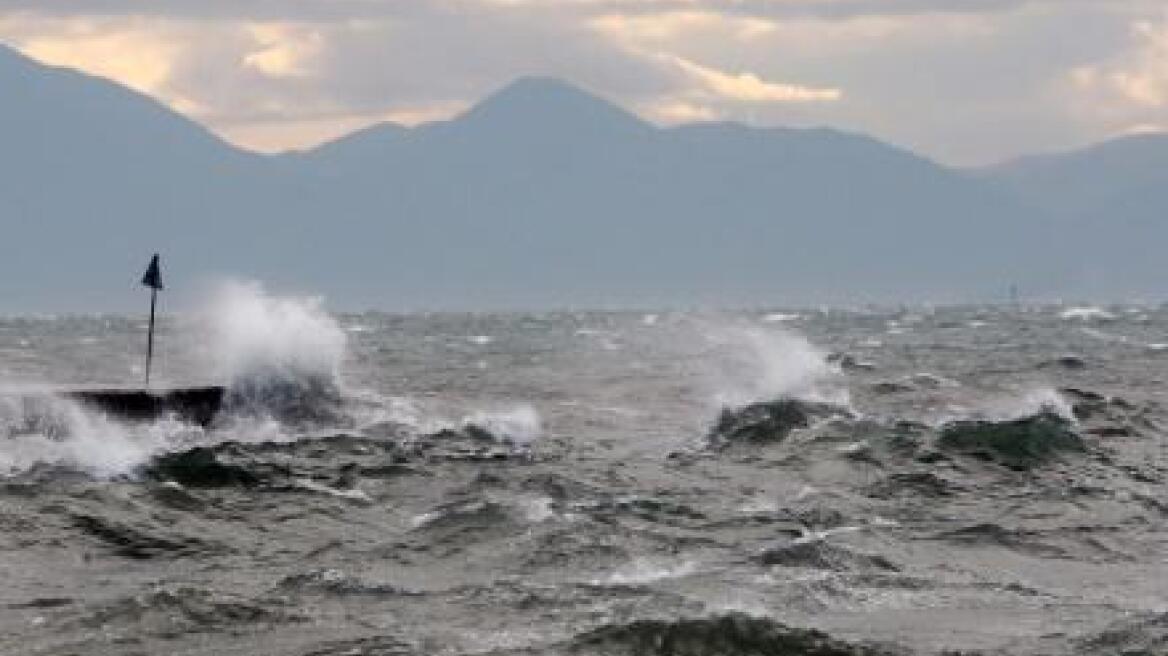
(1021, 404)
(926, 379)
(351, 494)
(781, 317)
(265, 345)
(1087, 313)
(536, 509)
(759, 505)
(752, 363)
(44, 428)
(643, 571)
(1106, 337)
(520, 425)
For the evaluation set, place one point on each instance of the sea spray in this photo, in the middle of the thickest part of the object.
(1029, 402)
(38, 427)
(1019, 404)
(748, 363)
(519, 426)
(280, 357)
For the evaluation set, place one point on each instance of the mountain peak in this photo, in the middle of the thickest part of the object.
(537, 88)
(531, 102)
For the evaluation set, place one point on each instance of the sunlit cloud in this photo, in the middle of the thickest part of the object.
(301, 133)
(1129, 91)
(284, 49)
(1146, 128)
(1140, 76)
(138, 58)
(641, 28)
(750, 88)
(224, 73)
(679, 111)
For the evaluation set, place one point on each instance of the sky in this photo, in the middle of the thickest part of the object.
(965, 82)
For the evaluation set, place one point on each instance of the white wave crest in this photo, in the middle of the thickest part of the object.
(520, 425)
(280, 356)
(753, 363)
(1018, 405)
(42, 428)
(256, 334)
(1086, 314)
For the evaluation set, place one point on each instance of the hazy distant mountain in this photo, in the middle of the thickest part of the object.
(540, 195)
(544, 194)
(1113, 197)
(92, 175)
(1092, 180)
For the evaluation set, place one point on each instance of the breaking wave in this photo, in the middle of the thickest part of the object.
(752, 363)
(280, 359)
(280, 356)
(39, 427)
(520, 425)
(1086, 314)
(1023, 403)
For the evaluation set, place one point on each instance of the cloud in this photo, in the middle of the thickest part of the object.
(679, 111)
(344, 10)
(1129, 91)
(284, 49)
(749, 88)
(305, 131)
(1146, 128)
(1138, 78)
(672, 25)
(139, 58)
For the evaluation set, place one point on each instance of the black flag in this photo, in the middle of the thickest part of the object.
(153, 277)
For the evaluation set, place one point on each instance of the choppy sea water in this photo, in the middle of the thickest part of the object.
(548, 484)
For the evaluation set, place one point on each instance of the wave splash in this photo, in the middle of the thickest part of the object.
(752, 363)
(281, 356)
(41, 428)
(281, 361)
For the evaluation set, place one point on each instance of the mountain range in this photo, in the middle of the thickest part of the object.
(544, 195)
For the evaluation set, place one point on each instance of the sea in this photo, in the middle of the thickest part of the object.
(821, 481)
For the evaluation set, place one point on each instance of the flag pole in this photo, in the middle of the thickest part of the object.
(150, 338)
(153, 280)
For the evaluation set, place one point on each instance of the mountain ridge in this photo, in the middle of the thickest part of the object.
(541, 195)
(1085, 179)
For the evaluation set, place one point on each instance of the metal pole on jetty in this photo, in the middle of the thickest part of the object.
(153, 280)
(196, 405)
